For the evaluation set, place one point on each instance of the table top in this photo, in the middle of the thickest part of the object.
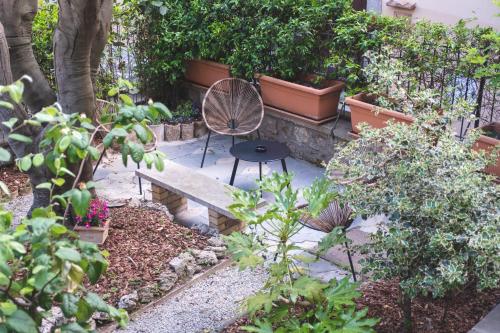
(246, 151)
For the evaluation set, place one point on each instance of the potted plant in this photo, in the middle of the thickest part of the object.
(312, 97)
(205, 73)
(94, 225)
(388, 97)
(158, 128)
(488, 141)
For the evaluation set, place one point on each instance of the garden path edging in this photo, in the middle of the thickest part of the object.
(135, 314)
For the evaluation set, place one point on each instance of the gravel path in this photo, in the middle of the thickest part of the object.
(19, 207)
(207, 306)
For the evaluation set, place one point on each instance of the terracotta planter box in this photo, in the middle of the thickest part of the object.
(206, 73)
(488, 143)
(317, 104)
(172, 132)
(95, 235)
(200, 128)
(363, 111)
(159, 131)
(187, 131)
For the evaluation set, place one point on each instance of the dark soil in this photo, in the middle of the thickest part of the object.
(381, 298)
(14, 179)
(141, 242)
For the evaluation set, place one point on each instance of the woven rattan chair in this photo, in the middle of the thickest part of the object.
(103, 107)
(232, 107)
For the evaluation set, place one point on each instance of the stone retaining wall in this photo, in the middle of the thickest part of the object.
(307, 141)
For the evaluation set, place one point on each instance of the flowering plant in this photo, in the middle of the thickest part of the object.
(96, 216)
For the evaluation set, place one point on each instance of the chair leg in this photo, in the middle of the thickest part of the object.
(140, 180)
(99, 161)
(233, 139)
(206, 147)
(233, 174)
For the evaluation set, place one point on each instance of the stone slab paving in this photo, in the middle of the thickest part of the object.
(490, 323)
(207, 306)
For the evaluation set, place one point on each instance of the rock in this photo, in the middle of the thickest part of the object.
(185, 265)
(205, 229)
(167, 280)
(220, 251)
(205, 258)
(129, 302)
(147, 294)
(216, 241)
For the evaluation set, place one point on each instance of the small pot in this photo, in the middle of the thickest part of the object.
(172, 132)
(95, 235)
(159, 131)
(364, 111)
(206, 73)
(187, 131)
(316, 104)
(200, 128)
(488, 144)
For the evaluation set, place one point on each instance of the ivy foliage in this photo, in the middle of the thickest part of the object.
(441, 235)
(291, 301)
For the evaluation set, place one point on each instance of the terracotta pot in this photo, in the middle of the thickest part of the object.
(187, 131)
(200, 128)
(159, 131)
(172, 132)
(488, 143)
(206, 73)
(95, 235)
(317, 104)
(362, 110)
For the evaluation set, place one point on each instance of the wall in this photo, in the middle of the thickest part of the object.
(450, 11)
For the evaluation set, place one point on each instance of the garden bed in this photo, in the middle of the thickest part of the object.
(14, 179)
(141, 243)
(381, 298)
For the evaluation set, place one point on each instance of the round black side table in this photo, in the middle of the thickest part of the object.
(259, 151)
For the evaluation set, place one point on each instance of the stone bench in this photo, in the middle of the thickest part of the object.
(177, 183)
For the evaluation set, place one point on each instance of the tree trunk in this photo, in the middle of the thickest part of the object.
(17, 17)
(79, 40)
(407, 326)
(37, 175)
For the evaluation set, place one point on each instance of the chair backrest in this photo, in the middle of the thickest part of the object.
(233, 107)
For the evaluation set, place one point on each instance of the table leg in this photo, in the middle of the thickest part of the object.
(260, 170)
(233, 174)
(283, 164)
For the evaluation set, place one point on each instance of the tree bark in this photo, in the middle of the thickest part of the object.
(79, 40)
(17, 18)
(37, 175)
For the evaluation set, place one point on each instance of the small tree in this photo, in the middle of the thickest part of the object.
(442, 230)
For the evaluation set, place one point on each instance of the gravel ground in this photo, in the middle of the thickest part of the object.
(207, 306)
(19, 207)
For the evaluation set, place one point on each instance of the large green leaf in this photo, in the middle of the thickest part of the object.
(69, 254)
(69, 305)
(4, 155)
(21, 322)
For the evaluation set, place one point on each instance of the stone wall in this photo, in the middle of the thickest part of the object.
(306, 140)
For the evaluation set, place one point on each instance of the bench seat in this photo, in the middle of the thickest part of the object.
(177, 183)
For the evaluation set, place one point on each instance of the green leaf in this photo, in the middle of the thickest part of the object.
(38, 160)
(84, 311)
(44, 186)
(94, 153)
(58, 181)
(64, 143)
(69, 304)
(96, 302)
(20, 138)
(8, 308)
(25, 163)
(136, 151)
(4, 188)
(113, 91)
(80, 201)
(21, 322)
(119, 132)
(73, 328)
(126, 99)
(4, 155)
(6, 105)
(141, 132)
(10, 123)
(68, 254)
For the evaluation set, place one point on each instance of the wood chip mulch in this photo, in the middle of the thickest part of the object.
(464, 311)
(381, 298)
(141, 242)
(15, 180)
